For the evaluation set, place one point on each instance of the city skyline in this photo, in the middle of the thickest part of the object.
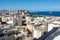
(34, 5)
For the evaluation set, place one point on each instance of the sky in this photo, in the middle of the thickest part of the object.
(34, 5)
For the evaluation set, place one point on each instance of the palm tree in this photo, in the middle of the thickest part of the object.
(0, 19)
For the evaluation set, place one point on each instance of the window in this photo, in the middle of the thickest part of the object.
(23, 23)
(23, 16)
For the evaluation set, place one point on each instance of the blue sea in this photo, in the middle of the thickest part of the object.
(46, 13)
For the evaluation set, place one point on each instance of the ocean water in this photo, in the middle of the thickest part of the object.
(54, 13)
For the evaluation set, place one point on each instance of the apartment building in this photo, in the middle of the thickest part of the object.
(39, 30)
